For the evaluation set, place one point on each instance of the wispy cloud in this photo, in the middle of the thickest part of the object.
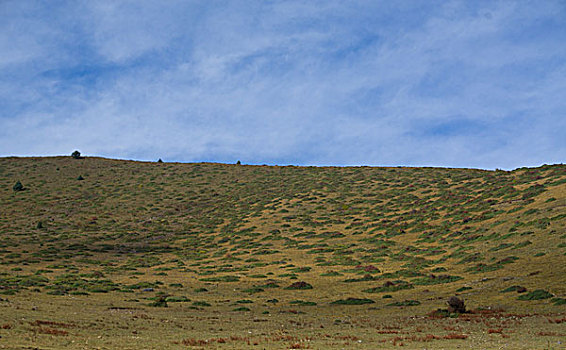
(457, 83)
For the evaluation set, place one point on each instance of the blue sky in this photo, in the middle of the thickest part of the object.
(415, 83)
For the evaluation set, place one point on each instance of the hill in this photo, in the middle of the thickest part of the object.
(118, 254)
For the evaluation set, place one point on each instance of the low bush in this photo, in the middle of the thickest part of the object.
(390, 287)
(221, 279)
(18, 187)
(160, 301)
(433, 279)
(242, 308)
(365, 278)
(302, 303)
(201, 303)
(270, 284)
(518, 289)
(299, 286)
(177, 299)
(353, 301)
(405, 303)
(538, 294)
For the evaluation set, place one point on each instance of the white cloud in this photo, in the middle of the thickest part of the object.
(309, 83)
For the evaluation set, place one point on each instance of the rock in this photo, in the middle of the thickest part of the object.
(456, 305)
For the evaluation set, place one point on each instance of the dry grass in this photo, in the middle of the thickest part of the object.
(202, 255)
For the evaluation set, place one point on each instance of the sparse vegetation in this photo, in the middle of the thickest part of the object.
(170, 251)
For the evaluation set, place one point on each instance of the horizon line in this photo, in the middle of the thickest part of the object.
(204, 161)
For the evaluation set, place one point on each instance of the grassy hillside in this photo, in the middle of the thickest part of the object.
(109, 253)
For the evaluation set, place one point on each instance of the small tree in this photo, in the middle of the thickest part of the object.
(159, 160)
(76, 155)
(18, 187)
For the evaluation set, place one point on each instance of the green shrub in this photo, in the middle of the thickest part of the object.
(365, 278)
(57, 292)
(439, 313)
(242, 308)
(301, 269)
(536, 295)
(439, 269)
(179, 299)
(302, 303)
(160, 301)
(432, 279)
(405, 303)
(201, 303)
(221, 279)
(352, 301)
(18, 187)
(299, 286)
(522, 244)
(77, 292)
(518, 289)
